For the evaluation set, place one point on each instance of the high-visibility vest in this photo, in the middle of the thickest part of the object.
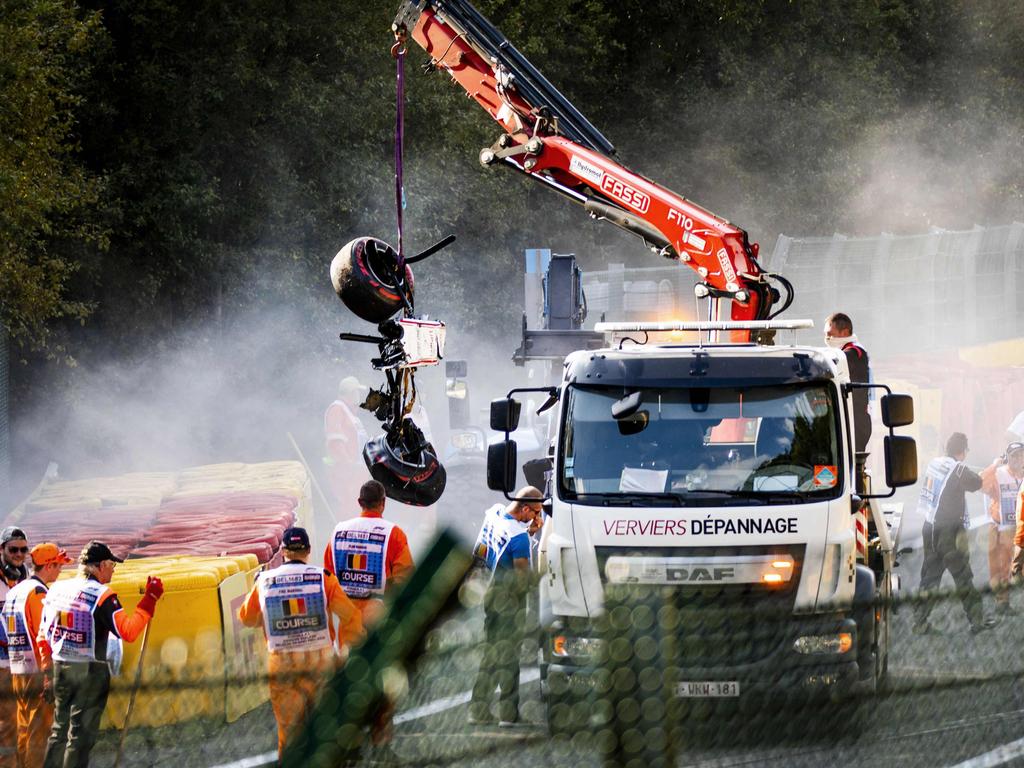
(497, 531)
(1009, 487)
(935, 478)
(360, 548)
(68, 621)
(5, 589)
(21, 646)
(293, 598)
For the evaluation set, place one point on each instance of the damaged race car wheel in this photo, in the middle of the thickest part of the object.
(363, 277)
(408, 470)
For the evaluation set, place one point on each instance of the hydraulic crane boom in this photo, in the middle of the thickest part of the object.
(548, 139)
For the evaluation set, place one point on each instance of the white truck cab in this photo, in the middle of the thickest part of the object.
(722, 475)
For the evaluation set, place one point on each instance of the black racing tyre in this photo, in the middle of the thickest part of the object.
(362, 275)
(415, 477)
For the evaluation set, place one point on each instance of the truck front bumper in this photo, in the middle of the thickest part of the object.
(784, 673)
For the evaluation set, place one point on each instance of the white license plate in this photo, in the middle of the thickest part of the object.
(708, 690)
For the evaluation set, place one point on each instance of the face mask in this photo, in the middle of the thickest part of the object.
(837, 342)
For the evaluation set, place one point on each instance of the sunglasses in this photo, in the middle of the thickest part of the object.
(14, 550)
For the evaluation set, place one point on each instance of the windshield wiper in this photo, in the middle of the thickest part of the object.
(633, 499)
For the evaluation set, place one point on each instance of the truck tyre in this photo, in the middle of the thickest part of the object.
(362, 274)
(864, 615)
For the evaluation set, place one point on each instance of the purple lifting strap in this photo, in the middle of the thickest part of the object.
(399, 141)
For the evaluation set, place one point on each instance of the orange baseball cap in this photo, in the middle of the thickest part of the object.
(48, 552)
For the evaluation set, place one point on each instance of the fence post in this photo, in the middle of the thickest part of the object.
(932, 247)
(878, 275)
(1012, 261)
(971, 284)
(832, 259)
(616, 290)
(780, 254)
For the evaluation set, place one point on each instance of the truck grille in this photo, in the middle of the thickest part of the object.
(723, 625)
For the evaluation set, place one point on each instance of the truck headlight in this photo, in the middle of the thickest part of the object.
(568, 646)
(840, 642)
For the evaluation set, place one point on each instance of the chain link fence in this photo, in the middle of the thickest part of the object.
(631, 700)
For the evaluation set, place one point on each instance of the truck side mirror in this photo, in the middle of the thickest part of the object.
(900, 461)
(897, 410)
(501, 465)
(505, 415)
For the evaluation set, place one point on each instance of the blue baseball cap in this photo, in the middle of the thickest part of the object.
(295, 538)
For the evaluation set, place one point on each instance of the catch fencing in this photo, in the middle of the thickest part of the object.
(939, 290)
(911, 293)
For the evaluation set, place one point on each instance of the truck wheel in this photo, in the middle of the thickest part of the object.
(362, 276)
(882, 682)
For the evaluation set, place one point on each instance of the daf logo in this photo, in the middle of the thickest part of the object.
(699, 574)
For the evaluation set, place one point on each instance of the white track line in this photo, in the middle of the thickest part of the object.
(251, 762)
(998, 756)
(528, 675)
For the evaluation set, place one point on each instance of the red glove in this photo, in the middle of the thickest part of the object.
(154, 591)
(154, 588)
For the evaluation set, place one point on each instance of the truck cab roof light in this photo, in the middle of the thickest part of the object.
(710, 325)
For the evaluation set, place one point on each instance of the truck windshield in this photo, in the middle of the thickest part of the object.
(701, 446)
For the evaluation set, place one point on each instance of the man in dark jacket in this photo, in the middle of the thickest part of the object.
(839, 334)
(943, 505)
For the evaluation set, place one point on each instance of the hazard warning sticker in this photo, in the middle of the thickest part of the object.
(825, 476)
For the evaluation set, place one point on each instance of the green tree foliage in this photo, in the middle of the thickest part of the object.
(243, 143)
(48, 199)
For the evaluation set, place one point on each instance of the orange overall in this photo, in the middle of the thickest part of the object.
(35, 713)
(398, 566)
(296, 676)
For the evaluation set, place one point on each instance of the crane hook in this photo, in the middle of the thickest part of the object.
(398, 49)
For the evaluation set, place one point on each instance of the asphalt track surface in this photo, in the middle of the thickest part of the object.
(955, 699)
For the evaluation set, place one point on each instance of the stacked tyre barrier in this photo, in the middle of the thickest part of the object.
(206, 532)
(234, 523)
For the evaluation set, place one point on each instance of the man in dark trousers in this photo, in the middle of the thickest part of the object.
(504, 546)
(943, 505)
(839, 335)
(82, 618)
